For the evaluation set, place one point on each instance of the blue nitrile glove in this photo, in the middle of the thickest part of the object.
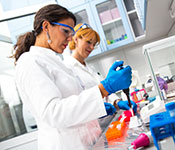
(125, 105)
(117, 80)
(110, 109)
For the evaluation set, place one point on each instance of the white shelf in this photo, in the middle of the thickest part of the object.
(111, 21)
(141, 37)
(132, 11)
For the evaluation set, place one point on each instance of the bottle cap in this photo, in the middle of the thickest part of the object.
(141, 141)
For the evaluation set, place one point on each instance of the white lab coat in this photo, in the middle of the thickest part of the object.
(89, 77)
(62, 109)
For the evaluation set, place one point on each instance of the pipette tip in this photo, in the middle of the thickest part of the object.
(132, 112)
(131, 147)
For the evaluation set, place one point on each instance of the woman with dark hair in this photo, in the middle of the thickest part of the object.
(62, 108)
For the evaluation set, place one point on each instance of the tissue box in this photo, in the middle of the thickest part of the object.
(105, 16)
(115, 13)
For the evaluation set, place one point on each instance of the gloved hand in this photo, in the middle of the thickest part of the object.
(117, 80)
(125, 105)
(110, 109)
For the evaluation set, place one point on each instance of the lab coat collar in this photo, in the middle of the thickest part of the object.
(75, 62)
(47, 51)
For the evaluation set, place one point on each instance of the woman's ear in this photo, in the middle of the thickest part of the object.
(45, 25)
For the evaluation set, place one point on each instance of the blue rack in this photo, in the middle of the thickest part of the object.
(162, 125)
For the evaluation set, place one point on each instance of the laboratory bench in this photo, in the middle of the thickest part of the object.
(123, 143)
(27, 141)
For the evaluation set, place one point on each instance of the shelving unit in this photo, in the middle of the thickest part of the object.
(112, 33)
(129, 5)
(132, 11)
(116, 21)
(133, 19)
(111, 21)
(136, 24)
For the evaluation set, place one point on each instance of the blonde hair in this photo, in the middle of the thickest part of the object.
(87, 33)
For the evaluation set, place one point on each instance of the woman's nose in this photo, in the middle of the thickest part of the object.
(69, 38)
(92, 46)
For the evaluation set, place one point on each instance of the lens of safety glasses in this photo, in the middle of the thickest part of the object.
(67, 32)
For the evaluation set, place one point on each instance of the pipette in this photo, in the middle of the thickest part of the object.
(126, 91)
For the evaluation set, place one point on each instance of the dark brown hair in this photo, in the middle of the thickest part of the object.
(51, 13)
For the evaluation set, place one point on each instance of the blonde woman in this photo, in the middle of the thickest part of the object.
(83, 43)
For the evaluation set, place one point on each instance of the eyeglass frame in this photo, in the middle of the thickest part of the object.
(65, 25)
(85, 26)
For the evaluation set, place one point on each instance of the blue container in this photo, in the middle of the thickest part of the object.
(162, 126)
(170, 107)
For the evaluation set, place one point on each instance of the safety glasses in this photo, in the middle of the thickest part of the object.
(83, 26)
(68, 32)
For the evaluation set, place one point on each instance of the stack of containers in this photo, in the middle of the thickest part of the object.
(109, 15)
(115, 13)
(105, 16)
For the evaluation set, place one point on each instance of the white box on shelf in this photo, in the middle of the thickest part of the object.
(115, 13)
(105, 16)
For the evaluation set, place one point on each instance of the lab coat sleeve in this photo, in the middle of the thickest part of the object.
(47, 102)
(76, 109)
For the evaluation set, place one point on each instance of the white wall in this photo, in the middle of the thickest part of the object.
(6, 63)
(162, 57)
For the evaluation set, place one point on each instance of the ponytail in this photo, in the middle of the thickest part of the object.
(23, 44)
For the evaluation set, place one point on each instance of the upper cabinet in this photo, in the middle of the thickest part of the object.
(84, 14)
(112, 23)
(135, 14)
(118, 22)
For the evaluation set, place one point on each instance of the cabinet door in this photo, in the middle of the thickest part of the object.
(112, 23)
(83, 14)
(135, 15)
(71, 3)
